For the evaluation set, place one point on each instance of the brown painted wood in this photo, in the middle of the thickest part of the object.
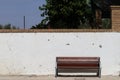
(78, 64)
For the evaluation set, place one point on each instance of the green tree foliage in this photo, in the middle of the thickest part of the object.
(64, 13)
(1, 26)
(106, 23)
(72, 14)
(104, 7)
(8, 26)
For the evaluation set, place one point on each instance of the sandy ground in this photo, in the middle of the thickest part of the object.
(58, 78)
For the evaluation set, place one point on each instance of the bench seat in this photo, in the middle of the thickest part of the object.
(78, 65)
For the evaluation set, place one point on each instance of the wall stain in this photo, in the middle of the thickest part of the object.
(93, 44)
(53, 36)
(77, 36)
(68, 44)
(100, 46)
(24, 67)
(48, 39)
(40, 65)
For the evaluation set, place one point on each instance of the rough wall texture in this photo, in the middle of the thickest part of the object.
(35, 53)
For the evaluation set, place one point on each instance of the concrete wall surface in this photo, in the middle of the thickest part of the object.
(35, 53)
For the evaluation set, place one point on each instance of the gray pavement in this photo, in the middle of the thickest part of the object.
(51, 77)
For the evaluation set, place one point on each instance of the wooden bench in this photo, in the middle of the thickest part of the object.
(78, 65)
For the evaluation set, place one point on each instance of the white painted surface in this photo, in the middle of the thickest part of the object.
(35, 53)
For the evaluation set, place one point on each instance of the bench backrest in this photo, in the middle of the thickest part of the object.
(85, 62)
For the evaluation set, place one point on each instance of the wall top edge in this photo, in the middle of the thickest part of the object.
(53, 30)
(115, 7)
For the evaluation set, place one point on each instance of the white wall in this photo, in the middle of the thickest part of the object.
(35, 53)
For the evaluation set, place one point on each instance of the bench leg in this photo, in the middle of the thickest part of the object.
(56, 72)
(99, 73)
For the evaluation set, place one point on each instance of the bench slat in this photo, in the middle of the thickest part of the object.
(77, 70)
(72, 67)
(78, 57)
(79, 65)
